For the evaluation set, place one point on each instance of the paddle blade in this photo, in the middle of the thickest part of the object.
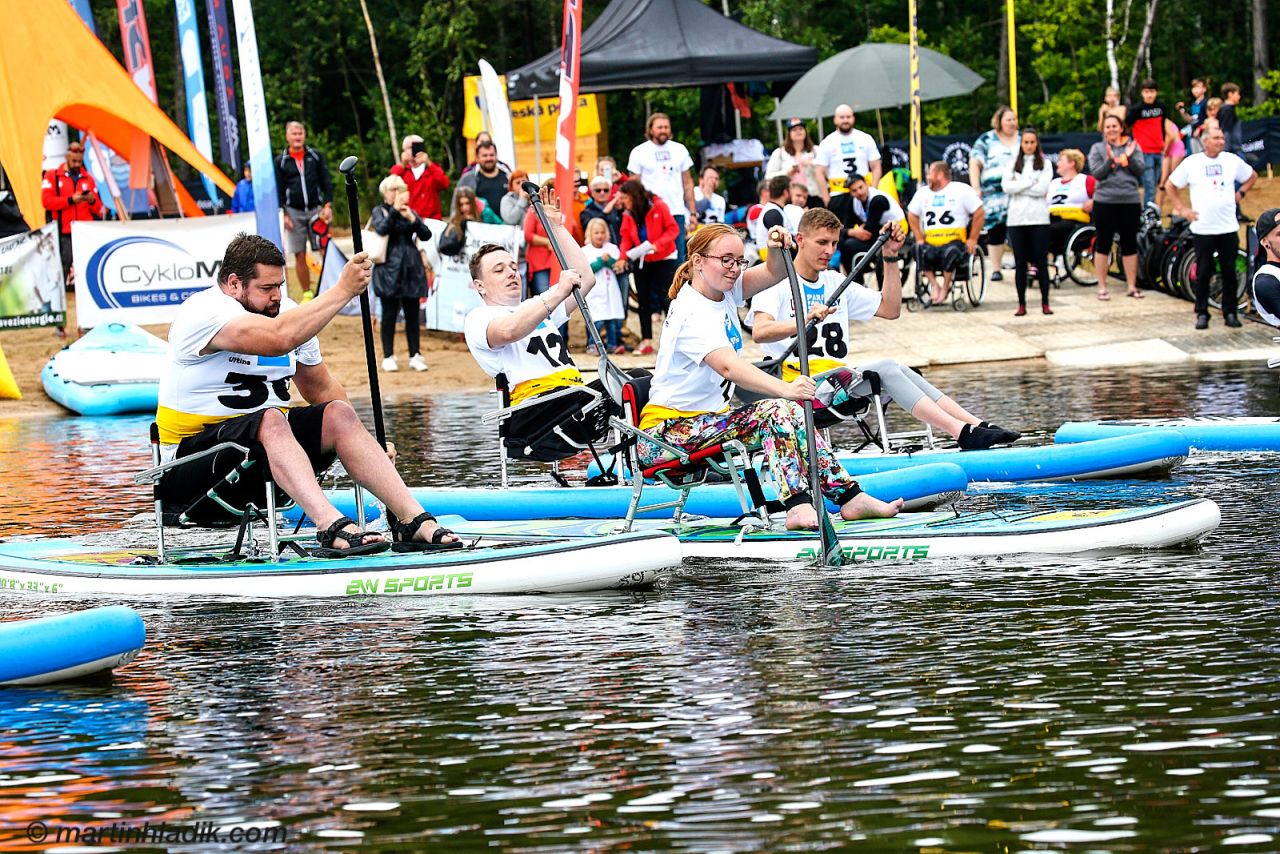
(831, 552)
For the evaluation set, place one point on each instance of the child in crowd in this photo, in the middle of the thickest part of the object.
(605, 301)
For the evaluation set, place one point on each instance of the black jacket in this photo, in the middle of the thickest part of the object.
(402, 275)
(303, 191)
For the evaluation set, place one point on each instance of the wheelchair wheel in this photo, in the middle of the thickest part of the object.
(1079, 256)
(975, 287)
(919, 288)
(1187, 276)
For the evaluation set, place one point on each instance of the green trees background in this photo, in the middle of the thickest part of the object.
(317, 63)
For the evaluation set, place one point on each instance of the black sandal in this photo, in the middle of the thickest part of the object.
(356, 546)
(402, 536)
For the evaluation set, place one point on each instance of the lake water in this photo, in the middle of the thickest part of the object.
(1120, 703)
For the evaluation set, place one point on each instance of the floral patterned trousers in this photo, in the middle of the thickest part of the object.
(776, 426)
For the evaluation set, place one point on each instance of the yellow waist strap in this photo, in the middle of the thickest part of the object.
(943, 236)
(174, 426)
(551, 382)
(653, 415)
(791, 370)
(1073, 214)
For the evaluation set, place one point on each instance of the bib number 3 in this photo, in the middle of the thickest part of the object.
(253, 391)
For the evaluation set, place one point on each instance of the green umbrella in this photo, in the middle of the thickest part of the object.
(873, 76)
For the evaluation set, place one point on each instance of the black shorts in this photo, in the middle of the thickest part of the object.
(183, 488)
(1116, 219)
(557, 429)
(946, 258)
(996, 235)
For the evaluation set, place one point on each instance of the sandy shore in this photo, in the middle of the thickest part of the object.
(1081, 329)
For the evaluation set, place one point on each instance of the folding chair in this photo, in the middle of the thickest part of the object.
(241, 517)
(685, 470)
(559, 438)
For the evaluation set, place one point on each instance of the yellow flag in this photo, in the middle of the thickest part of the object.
(8, 388)
(522, 115)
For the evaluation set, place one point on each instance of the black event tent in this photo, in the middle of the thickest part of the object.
(653, 44)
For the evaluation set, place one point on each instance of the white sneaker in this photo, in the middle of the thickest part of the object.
(417, 362)
(389, 364)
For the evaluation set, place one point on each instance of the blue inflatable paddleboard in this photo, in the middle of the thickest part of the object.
(1204, 434)
(112, 369)
(1141, 454)
(920, 486)
(69, 646)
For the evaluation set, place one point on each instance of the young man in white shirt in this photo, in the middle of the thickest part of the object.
(846, 152)
(234, 351)
(663, 165)
(774, 327)
(1213, 175)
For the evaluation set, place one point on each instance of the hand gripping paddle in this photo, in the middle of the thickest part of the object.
(831, 554)
(612, 377)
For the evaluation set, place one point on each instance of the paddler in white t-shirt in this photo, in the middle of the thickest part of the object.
(773, 320)
(699, 364)
(234, 351)
(521, 338)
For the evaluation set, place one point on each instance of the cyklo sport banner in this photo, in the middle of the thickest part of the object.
(451, 296)
(141, 271)
(31, 290)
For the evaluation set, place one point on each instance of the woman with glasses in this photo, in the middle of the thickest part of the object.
(700, 363)
(649, 245)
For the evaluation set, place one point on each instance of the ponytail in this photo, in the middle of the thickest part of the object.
(698, 244)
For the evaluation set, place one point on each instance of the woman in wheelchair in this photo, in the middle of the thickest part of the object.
(520, 340)
(1070, 200)
(699, 365)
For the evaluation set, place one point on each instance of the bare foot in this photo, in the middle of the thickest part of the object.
(863, 506)
(802, 517)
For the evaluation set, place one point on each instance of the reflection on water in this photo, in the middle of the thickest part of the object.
(1117, 703)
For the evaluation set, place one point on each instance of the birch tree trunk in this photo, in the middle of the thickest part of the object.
(1261, 50)
(1112, 65)
(1144, 47)
(382, 82)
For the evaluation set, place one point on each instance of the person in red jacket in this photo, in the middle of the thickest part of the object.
(425, 178)
(649, 245)
(70, 194)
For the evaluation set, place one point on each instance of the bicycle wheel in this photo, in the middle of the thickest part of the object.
(1242, 283)
(1079, 256)
(975, 287)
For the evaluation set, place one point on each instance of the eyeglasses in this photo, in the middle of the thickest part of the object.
(599, 189)
(729, 262)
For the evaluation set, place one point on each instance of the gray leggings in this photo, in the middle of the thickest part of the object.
(898, 382)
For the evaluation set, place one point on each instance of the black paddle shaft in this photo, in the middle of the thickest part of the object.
(611, 376)
(830, 545)
(347, 168)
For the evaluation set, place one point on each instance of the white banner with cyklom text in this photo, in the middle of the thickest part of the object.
(141, 271)
(31, 289)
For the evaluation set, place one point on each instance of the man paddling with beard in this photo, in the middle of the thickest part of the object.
(233, 351)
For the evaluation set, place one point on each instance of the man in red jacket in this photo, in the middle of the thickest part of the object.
(70, 194)
(426, 179)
